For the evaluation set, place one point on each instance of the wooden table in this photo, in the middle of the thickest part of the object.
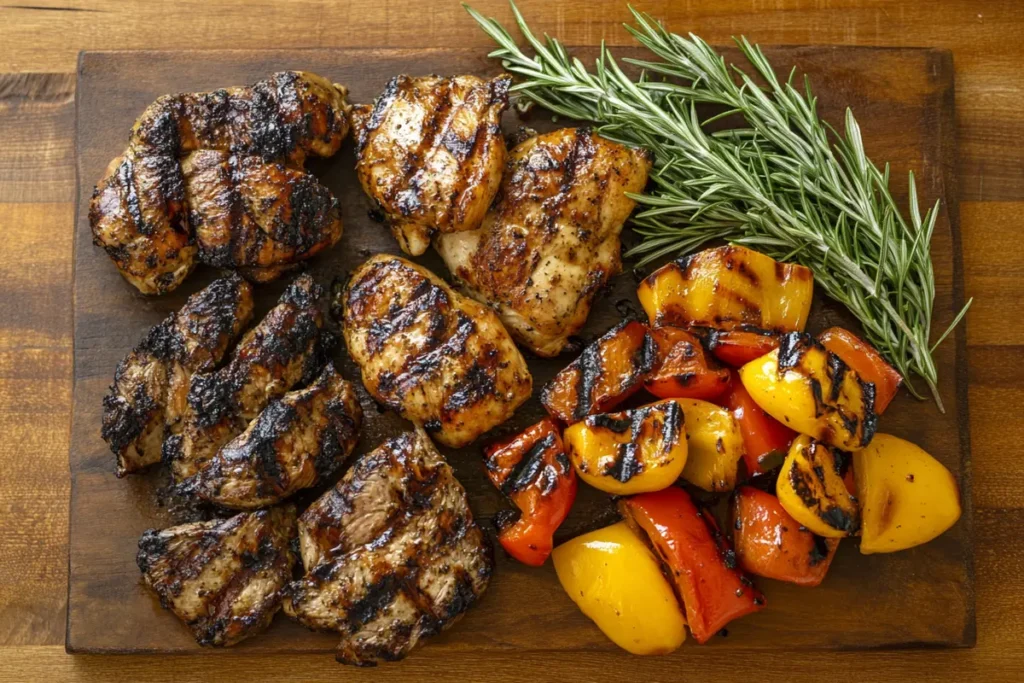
(39, 42)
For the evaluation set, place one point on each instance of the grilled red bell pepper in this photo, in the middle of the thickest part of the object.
(682, 368)
(762, 433)
(533, 470)
(866, 362)
(700, 561)
(770, 543)
(739, 347)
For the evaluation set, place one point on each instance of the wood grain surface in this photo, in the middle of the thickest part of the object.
(36, 190)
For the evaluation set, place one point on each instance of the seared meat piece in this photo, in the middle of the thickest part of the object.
(218, 177)
(392, 553)
(429, 153)
(436, 357)
(147, 397)
(296, 442)
(224, 577)
(287, 348)
(551, 242)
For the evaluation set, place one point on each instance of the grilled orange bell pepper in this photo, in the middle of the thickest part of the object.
(534, 472)
(700, 561)
(866, 362)
(762, 434)
(682, 368)
(739, 347)
(770, 543)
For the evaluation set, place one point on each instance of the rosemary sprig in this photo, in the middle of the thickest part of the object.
(784, 182)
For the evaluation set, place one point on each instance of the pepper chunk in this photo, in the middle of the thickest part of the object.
(608, 371)
(811, 489)
(763, 435)
(682, 369)
(866, 360)
(714, 445)
(698, 557)
(728, 288)
(739, 347)
(770, 543)
(533, 470)
(633, 451)
(616, 581)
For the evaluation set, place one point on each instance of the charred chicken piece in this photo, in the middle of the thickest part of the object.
(436, 357)
(551, 241)
(147, 398)
(392, 553)
(429, 153)
(295, 443)
(287, 348)
(218, 178)
(223, 578)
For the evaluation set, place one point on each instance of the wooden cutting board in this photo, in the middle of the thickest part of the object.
(903, 99)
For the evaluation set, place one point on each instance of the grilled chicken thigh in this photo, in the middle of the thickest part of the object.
(296, 442)
(285, 349)
(224, 577)
(551, 241)
(429, 153)
(392, 553)
(218, 178)
(147, 397)
(436, 357)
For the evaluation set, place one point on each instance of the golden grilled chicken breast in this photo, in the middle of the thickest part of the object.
(223, 578)
(147, 398)
(296, 442)
(429, 153)
(285, 349)
(392, 553)
(551, 242)
(436, 357)
(218, 178)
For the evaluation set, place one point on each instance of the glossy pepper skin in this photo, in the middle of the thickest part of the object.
(728, 287)
(812, 489)
(608, 371)
(770, 543)
(714, 445)
(762, 434)
(739, 347)
(699, 559)
(643, 449)
(533, 470)
(617, 582)
(866, 361)
(683, 369)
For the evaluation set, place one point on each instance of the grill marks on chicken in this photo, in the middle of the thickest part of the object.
(223, 578)
(430, 152)
(392, 553)
(551, 241)
(218, 178)
(295, 443)
(287, 348)
(436, 357)
(146, 401)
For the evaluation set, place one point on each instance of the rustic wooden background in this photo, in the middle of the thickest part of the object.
(39, 41)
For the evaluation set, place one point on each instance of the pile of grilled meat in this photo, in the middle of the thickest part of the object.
(244, 419)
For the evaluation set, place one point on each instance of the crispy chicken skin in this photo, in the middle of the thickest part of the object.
(147, 398)
(551, 241)
(392, 553)
(218, 178)
(223, 578)
(287, 348)
(439, 359)
(429, 153)
(296, 442)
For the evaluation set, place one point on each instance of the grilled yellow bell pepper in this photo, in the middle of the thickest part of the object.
(630, 452)
(614, 579)
(907, 496)
(714, 445)
(810, 390)
(727, 288)
(811, 489)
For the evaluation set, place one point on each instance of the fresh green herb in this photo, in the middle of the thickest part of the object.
(784, 182)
